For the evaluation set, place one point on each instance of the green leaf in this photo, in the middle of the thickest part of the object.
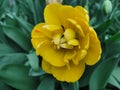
(70, 2)
(113, 45)
(4, 4)
(73, 2)
(114, 38)
(84, 80)
(2, 36)
(19, 37)
(3, 86)
(23, 23)
(102, 73)
(10, 20)
(116, 73)
(115, 77)
(12, 58)
(67, 86)
(34, 61)
(31, 6)
(112, 80)
(36, 73)
(23, 5)
(4, 48)
(103, 27)
(39, 9)
(47, 83)
(1, 2)
(113, 48)
(17, 77)
(70, 86)
(76, 85)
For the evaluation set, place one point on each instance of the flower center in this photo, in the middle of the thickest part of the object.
(66, 40)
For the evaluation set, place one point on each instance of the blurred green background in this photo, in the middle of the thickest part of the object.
(20, 68)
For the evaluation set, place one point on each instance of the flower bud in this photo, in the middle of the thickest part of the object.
(107, 6)
(53, 1)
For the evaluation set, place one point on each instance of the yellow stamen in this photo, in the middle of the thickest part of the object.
(56, 38)
(66, 46)
(63, 40)
(73, 42)
(69, 34)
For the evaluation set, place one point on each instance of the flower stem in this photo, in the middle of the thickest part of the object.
(76, 85)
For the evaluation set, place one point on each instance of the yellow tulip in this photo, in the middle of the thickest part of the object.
(66, 42)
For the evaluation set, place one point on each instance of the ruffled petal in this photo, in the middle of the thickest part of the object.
(39, 35)
(82, 12)
(53, 28)
(52, 14)
(94, 51)
(72, 74)
(58, 14)
(66, 12)
(39, 31)
(63, 73)
(50, 54)
(76, 27)
(84, 42)
(69, 55)
(83, 23)
(81, 53)
(46, 66)
(37, 41)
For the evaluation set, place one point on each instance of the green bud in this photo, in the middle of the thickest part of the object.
(107, 6)
(53, 1)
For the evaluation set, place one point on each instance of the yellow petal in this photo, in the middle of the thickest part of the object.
(79, 56)
(52, 14)
(66, 12)
(38, 30)
(69, 75)
(72, 74)
(83, 23)
(94, 51)
(54, 28)
(76, 27)
(51, 55)
(58, 14)
(82, 12)
(46, 66)
(37, 41)
(69, 55)
(84, 42)
(39, 36)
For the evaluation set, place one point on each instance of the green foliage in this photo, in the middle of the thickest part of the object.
(115, 77)
(20, 68)
(47, 83)
(102, 73)
(33, 60)
(70, 86)
(17, 77)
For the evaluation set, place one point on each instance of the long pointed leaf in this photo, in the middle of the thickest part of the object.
(17, 77)
(18, 37)
(102, 73)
